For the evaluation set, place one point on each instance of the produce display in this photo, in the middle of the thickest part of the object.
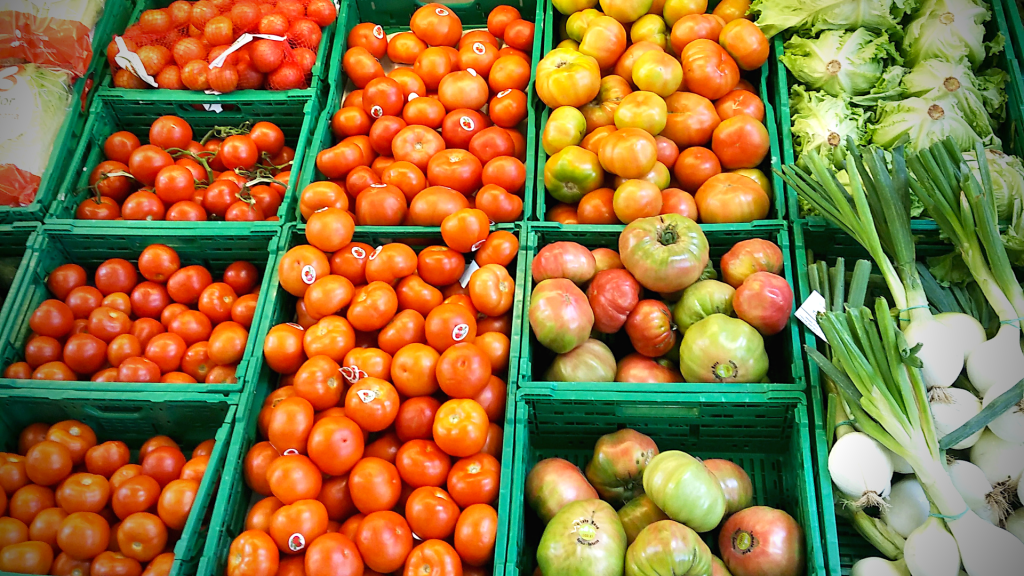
(222, 45)
(166, 321)
(73, 504)
(387, 421)
(664, 500)
(656, 121)
(433, 121)
(659, 300)
(235, 174)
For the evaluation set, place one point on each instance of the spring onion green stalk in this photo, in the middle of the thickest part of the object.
(878, 217)
(872, 529)
(879, 377)
(964, 209)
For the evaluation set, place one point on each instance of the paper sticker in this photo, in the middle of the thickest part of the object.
(413, 96)
(468, 273)
(504, 93)
(460, 332)
(130, 61)
(308, 274)
(366, 396)
(479, 48)
(376, 111)
(290, 452)
(378, 31)
(808, 313)
(358, 252)
(296, 326)
(213, 108)
(467, 123)
(296, 542)
(375, 252)
(441, 12)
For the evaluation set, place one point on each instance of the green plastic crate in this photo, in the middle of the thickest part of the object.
(555, 23)
(134, 418)
(766, 434)
(786, 369)
(56, 245)
(15, 240)
(232, 505)
(1003, 22)
(394, 16)
(274, 105)
(105, 119)
(114, 17)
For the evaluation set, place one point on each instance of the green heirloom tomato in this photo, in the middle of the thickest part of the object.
(637, 514)
(584, 539)
(664, 253)
(554, 483)
(685, 489)
(617, 468)
(701, 300)
(560, 315)
(722, 349)
(668, 547)
(572, 172)
(591, 361)
(566, 127)
(718, 567)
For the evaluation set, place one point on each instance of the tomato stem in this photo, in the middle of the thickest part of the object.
(668, 235)
(225, 131)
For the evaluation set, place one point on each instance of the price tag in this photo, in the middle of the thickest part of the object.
(468, 273)
(808, 313)
(130, 61)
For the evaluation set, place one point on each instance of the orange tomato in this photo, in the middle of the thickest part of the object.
(384, 540)
(294, 526)
(465, 230)
(475, 534)
(253, 553)
(372, 403)
(294, 477)
(460, 427)
(492, 290)
(375, 485)
(372, 307)
(176, 501)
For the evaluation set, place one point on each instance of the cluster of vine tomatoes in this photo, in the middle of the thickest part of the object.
(415, 143)
(240, 177)
(177, 325)
(178, 45)
(650, 114)
(382, 442)
(70, 505)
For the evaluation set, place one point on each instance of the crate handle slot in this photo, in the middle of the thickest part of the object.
(657, 411)
(126, 412)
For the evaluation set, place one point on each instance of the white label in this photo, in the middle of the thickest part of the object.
(376, 111)
(296, 542)
(808, 313)
(375, 252)
(468, 273)
(504, 93)
(213, 108)
(296, 326)
(460, 332)
(242, 41)
(130, 61)
(441, 12)
(413, 96)
(378, 185)
(358, 252)
(479, 48)
(467, 123)
(290, 452)
(378, 32)
(308, 274)
(366, 396)
(471, 71)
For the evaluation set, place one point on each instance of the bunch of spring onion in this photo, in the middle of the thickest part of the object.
(878, 373)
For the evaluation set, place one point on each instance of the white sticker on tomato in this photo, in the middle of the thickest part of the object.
(504, 93)
(477, 246)
(366, 396)
(358, 252)
(471, 72)
(441, 12)
(378, 31)
(378, 185)
(308, 274)
(296, 326)
(290, 452)
(479, 48)
(467, 123)
(296, 542)
(376, 111)
(460, 332)
(413, 96)
(375, 252)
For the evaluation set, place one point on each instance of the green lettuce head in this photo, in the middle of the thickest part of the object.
(951, 30)
(978, 98)
(926, 122)
(1007, 174)
(840, 63)
(774, 16)
(823, 123)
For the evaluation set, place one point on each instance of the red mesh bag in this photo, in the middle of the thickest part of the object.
(57, 34)
(205, 29)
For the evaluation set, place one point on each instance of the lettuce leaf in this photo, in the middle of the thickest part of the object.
(1007, 174)
(775, 16)
(840, 63)
(822, 122)
(943, 81)
(925, 121)
(948, 29)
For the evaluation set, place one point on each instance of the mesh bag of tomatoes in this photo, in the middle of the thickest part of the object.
(183, 46)
(175, 326)
(71, 505)
(391, 166)
(237, 174)
(387, 420)
(655, 121)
